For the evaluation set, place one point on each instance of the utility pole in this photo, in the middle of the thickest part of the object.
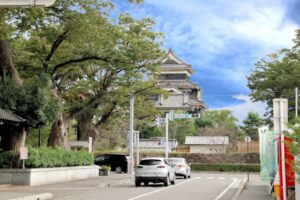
(296, 102)
(167, 135)
(137, 140)
(131, 113)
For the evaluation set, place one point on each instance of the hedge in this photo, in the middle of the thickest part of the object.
(225, 167)
(46, 157)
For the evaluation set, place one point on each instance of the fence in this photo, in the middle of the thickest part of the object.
(253, 147)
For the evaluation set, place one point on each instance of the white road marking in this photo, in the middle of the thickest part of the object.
(166, 188)
(226, 190)
(209, 178)
(221, 178)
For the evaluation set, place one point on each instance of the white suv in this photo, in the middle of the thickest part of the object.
(154, 170)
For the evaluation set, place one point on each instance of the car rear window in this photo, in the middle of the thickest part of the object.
(150, 162)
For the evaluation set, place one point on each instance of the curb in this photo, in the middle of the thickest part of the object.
(238, 192)
(42, 196)
(121, 182)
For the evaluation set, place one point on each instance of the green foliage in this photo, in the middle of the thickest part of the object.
(9, 159)
(105, 167)
(46, 157)
(33, 136)
(225, 167)
(216, 118)
(251, 125)
(276, 77)
(32, 101)
(294, 146)
(180, 128)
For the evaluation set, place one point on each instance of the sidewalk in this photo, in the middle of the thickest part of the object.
(13, 192)
(255, 189)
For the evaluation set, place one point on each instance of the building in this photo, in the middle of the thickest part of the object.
(157, 144)
(175, 78)
(207, 144)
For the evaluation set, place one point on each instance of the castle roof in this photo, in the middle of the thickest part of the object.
(172, 63)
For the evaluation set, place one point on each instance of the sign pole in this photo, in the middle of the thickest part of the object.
(167, 135)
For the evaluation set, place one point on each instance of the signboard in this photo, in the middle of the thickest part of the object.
(247, 139)
(23, 153)
(182, 116)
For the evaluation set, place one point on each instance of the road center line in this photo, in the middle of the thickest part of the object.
(226, 190)
(166, 188)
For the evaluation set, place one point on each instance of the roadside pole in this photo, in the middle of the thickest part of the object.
(137, 147)
(131, 162)
(296, 102)
(167, 135)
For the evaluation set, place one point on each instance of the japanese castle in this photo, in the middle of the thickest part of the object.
(174, 76)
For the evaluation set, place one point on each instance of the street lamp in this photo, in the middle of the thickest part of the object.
(26, 3)
(247, 140)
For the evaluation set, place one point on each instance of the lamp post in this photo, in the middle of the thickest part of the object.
(247, 140)
(131, 113)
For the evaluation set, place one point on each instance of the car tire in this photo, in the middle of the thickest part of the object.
(173, 181)
(119, 170)
(137, 183)
(185, 176)
(166, 181)
(146, 183)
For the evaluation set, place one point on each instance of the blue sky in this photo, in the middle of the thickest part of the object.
(222, 40)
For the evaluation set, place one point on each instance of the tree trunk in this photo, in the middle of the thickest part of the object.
(59, 134)
(86, 128)
(6, 63)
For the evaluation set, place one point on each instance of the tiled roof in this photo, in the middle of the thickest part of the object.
(182, 84)
(208, 140)
(10, 117)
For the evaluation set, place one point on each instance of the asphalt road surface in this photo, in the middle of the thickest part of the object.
(203, 186)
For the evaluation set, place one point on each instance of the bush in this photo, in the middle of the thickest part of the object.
(226, 167)
(10, 159)
(46, 157)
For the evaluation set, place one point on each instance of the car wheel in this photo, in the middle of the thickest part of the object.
(137, 183)
(173, 181)
(119, 169)
(146, 183)
(185, 176)
(166, 181)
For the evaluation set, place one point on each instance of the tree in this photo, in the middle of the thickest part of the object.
(277, 77)
(32, 101)
(251, 125)
(93, 62)
(216, 118)
(179, 129)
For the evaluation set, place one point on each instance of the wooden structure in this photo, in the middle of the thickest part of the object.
(184, 95)
(207, 144)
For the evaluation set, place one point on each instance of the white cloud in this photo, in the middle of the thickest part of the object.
(241, 111)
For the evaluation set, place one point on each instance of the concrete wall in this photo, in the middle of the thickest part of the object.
(207, 149)
(43, 176)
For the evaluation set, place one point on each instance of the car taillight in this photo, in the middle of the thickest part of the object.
(139, 166)
(180, 165)
(161, 166)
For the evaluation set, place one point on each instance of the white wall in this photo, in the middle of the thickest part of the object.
(206, 149)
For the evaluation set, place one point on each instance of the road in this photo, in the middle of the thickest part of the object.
(208, 186)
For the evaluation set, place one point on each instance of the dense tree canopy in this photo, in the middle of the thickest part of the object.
(251, 125)
(93, 62)
(277, 77)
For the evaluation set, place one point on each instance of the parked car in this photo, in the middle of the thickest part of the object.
(154, 170)
(117, 162)
(181, 168)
